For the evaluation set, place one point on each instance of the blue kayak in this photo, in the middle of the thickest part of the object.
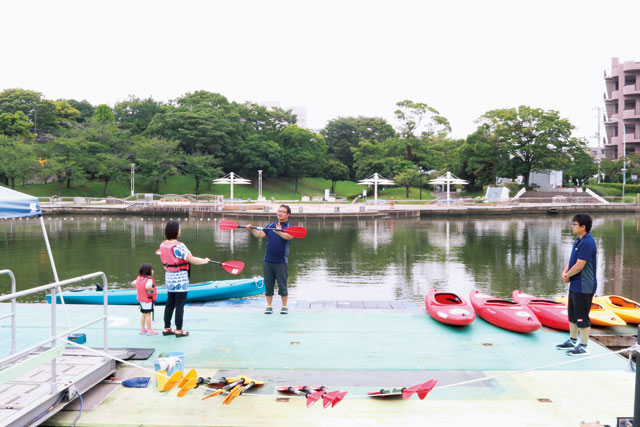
(207, 291)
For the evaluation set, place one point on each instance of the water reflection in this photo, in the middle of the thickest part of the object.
(368, 259)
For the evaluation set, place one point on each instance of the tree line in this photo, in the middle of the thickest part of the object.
(203, 135)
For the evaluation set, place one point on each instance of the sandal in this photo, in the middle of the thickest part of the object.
(168, 331)
(180, 333)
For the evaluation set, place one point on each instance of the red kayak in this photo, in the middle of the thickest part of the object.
(503, 313)
(550, 313)
(449, 308)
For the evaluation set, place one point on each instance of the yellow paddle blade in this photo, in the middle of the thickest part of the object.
(161, 378)
(190, 385)
(215, 393)
(173, 381)
(231, 395)
(190, 375)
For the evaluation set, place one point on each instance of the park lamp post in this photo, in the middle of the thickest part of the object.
(421, 173)
(133, 171)
(624, 155)
(35, 119)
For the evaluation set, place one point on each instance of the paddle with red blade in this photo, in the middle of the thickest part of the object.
(233, 267)
(294, 231)
(420, 389)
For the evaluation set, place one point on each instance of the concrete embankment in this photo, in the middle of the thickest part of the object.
(336, 210)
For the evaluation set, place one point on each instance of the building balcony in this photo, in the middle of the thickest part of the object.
(631, 114)
(630, 139)
(631, 90)
(631, 66)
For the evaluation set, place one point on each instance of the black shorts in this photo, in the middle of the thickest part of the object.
(272, 272)
(579, 308)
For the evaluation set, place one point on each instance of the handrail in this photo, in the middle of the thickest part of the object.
(13, 310)
(54, 335)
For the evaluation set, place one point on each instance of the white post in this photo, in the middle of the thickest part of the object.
(375, 188)
(260, 184)
(55, 272)
(448, 176)
(133, 171)
(231, 175)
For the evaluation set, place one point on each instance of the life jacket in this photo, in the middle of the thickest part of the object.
(143, 294)
(169, 261)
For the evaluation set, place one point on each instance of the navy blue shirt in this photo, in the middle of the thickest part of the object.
(585, 249)
(277, 247)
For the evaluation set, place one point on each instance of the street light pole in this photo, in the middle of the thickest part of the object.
(624, 155)
(420, 170)
(133, 165)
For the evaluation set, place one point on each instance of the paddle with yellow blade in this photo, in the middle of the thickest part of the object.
(241, 388)
(294, 231)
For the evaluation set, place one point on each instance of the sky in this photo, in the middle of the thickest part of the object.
(336, 58)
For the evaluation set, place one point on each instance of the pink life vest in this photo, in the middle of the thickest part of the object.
(170, 262)
(143, 294)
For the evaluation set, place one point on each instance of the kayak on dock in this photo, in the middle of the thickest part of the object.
(207, 291)
(628, 310)
(550, 313)
(449, 308)
(599, 315)
(503, 313)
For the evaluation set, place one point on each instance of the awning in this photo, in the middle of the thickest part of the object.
(14, 204)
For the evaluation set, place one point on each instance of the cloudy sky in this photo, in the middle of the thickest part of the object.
(336, 58)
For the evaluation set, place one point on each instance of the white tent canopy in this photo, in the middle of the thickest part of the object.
(376, 180)
(448, 179)
(231, 178)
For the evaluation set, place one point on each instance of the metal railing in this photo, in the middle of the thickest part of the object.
(54, 333)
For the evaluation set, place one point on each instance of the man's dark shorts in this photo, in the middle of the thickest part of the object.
(579, 308)
(272, 272)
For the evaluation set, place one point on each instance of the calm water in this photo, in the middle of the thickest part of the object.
(339, 260)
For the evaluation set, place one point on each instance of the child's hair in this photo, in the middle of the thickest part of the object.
(145, 270)
(171, 230)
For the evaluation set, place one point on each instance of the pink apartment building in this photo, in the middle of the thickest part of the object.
(622, 105)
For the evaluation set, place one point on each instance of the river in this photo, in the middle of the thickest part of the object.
(382, 259)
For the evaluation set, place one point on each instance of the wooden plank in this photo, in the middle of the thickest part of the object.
(18, 369)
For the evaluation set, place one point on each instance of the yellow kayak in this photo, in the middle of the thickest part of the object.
(599, 315)
(628, 310)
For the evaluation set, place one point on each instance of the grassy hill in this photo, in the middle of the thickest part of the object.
(279, 188)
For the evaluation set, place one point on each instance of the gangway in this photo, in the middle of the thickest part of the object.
(39, 381)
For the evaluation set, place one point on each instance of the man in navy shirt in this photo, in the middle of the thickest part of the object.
(276, 260)
(580, 272)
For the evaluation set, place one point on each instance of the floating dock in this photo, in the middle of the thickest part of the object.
(485, 374)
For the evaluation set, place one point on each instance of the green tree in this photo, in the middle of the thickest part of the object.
(304, 152)
(201, 167)
(257, 153)
(14, 100)
(157, 158)
(612, 170)
(343, 135)
(18, 158)
(417, 119)
(408, 176)
(104, 113)
(84, 107)
(64, 159)
(536, 139)
(480, 159)
(369, 158)
(15, 124)
(135, 114)
(66, 114)
(335, 171)
(581, 166)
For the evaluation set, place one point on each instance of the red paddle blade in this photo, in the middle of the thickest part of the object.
(314, 397)
(425, 388)
(226, 224)
(339, 396)
(233, 267)
(330, 398)
(298, 232)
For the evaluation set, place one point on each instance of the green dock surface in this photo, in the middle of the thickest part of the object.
(357, 350)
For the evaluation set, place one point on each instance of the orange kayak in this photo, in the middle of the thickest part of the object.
(599, 315)
(628, 310)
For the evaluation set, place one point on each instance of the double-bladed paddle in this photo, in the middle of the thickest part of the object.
(294, 231)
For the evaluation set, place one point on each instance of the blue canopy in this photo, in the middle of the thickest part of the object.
(14, 204)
